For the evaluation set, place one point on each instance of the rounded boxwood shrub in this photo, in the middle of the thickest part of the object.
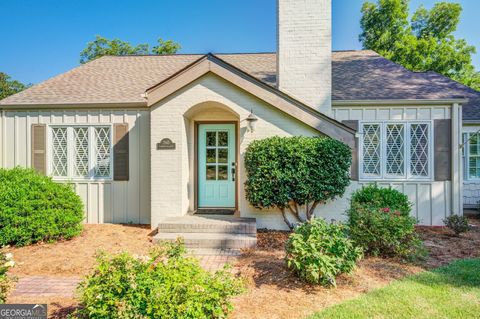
(318, 252)
(34, 208)
(296, 174)
(166, 284)
(380, 222)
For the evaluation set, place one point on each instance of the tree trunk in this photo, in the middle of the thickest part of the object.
(295, 213)
(311, 211)
(289, 224)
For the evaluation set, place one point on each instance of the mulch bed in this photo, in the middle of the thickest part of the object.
(274, 292)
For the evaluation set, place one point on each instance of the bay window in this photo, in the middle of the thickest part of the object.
(395, 150)
(80, 151)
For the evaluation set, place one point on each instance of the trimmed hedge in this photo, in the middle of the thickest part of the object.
(288, 172)
(34, 208)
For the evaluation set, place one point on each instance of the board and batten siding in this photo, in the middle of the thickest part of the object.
(431, 199)
(104, 201)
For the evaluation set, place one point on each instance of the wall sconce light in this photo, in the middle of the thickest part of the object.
(251, 121)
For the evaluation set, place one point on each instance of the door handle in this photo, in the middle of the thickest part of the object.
(233, 171)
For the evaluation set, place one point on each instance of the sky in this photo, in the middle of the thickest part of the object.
(41, 39)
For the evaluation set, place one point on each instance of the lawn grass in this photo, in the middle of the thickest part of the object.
(452, 291)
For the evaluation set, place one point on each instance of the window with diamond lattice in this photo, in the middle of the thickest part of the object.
(102, 151)
(80, 137)
(396, 150)
(80, 151)
(419, 149)
(371, 149)
(395, 163)
(59, 152)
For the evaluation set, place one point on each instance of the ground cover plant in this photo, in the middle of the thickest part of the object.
(34, 208)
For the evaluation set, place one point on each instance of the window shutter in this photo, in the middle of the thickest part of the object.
(443, 149)
(354, 169)
(39, 142)
(120, 152)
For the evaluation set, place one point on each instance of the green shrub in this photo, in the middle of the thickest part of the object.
(34, 208)
(292, 172)
(381, 197)
(167, 284)
(380, 223)
(6, 262)
(317, 251)
(459, 224)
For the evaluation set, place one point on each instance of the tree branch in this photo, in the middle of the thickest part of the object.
(295, 213)
(311, 211)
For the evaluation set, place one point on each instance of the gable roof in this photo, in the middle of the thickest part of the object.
(285, 103)
(357, 75)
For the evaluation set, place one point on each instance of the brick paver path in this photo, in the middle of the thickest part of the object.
(46, 286)
(36, 286)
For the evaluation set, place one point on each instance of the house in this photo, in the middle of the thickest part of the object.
(143, 138)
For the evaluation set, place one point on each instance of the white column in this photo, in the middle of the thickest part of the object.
(457, 179)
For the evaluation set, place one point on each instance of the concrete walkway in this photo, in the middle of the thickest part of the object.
(48, 286)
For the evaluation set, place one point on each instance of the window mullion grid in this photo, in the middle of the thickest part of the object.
(383, 150)
(70, 152)
(91, 152)
(111, 151)
(408, 147)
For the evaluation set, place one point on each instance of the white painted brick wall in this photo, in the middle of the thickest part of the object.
(172, 171)
(304, 51)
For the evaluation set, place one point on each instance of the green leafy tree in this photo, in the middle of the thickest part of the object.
(425, 42)
(9, 87)
(102, 46)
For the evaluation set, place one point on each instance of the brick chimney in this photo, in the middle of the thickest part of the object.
(304, 51)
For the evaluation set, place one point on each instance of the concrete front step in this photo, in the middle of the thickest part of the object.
(210, 240)
(208, 224)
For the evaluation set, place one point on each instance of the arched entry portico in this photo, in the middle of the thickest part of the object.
(215, 151)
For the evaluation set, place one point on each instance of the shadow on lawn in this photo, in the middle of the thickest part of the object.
(461, 273)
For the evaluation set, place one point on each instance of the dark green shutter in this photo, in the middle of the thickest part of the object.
(354, 169)
(121, 152)
(39, 148)
(443, 149)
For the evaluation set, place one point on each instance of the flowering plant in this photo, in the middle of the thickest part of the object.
(6, 262)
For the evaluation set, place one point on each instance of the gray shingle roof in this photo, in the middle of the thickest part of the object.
(357, 75)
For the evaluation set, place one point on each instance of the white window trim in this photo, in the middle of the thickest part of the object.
(70, 152)
(407, 155)
(466, 157)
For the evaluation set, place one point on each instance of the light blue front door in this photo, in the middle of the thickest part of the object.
(216, 165)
